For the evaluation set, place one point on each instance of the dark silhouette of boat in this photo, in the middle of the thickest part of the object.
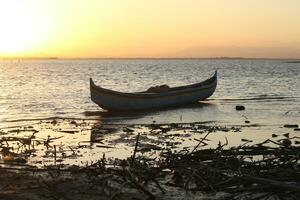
(153, 98)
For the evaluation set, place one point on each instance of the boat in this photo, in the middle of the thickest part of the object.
(153, 98)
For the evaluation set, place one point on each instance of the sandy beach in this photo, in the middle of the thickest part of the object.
(81, 159)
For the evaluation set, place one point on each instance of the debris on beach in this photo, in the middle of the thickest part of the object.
(160, 166)
(240, 107)
(290, 126)
(246, 171)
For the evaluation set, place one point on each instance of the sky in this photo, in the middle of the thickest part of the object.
(143, 28)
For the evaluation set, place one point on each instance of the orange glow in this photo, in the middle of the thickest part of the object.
(142, 28)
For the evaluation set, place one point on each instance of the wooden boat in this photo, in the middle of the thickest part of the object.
(151, 99)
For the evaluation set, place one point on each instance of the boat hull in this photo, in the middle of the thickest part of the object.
(113, 100)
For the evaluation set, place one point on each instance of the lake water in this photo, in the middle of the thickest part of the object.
(37, 89)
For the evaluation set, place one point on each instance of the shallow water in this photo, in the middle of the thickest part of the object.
(31, 89)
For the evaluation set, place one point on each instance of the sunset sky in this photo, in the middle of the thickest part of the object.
(143, 28)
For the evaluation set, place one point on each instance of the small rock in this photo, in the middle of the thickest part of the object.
(247, 121)
(128, 130)
(20, 160)
(73, 122)
(240, 107)
(290, 126)
(286, 142)
(286, 135)
(54, 122)
(297, 129)
(164, 130)
(274, 135)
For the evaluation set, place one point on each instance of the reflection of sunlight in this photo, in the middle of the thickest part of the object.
(2, 111)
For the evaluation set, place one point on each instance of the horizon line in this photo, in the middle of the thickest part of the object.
(141, 58)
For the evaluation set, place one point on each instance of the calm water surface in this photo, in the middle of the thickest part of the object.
(37, 89)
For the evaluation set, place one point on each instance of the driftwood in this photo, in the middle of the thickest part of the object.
(206, 170)
(270, 168)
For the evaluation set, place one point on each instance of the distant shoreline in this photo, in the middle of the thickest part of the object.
(294, 60)
(29, 58)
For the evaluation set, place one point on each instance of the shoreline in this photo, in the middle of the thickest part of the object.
(103, 137)
(177, 169)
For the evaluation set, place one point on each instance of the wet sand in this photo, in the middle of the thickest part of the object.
(91, 157)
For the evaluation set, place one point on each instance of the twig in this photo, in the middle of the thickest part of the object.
(54, 154)
(136, 145)
(200, 142)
